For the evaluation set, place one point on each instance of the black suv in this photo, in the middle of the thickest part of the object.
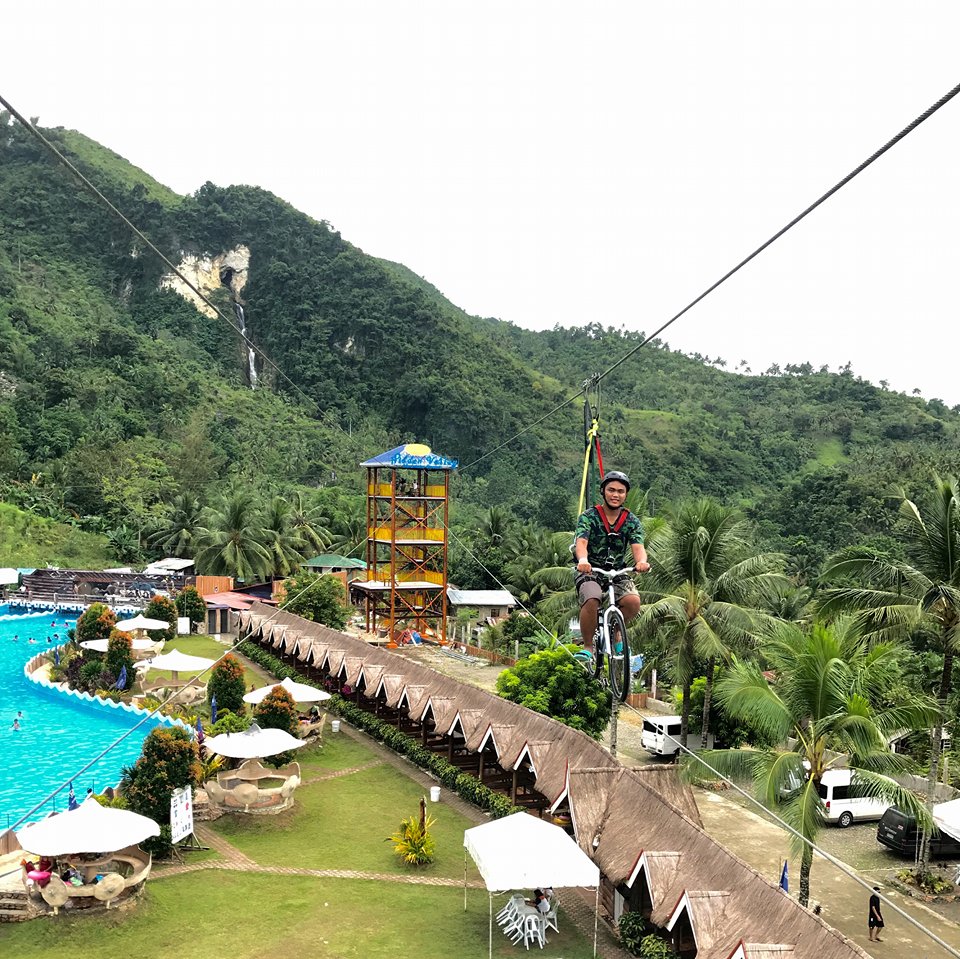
(899, 831)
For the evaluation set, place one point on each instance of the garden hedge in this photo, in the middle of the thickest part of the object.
(463, 784)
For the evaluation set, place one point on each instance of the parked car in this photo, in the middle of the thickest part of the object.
(842, 805)
(661, 735)
(898, 831)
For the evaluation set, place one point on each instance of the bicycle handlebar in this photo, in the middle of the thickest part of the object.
(614, 573)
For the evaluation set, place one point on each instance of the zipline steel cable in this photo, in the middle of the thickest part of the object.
(769, 813)
(92, 189)
(909, 128)
(597, 377)
(151, 713)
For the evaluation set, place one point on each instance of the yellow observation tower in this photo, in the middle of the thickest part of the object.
(408, 497)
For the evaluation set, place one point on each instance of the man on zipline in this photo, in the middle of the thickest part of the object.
(606, 534)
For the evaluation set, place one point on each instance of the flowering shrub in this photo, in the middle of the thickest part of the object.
(226, 683)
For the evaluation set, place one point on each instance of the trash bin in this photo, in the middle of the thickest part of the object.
(334, 725)
(434, 794)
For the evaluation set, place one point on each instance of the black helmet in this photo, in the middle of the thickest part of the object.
(615, 476)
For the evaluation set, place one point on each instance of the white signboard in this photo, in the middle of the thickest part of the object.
(181, 813)
(183, 625)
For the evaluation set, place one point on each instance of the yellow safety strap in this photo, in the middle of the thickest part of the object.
(591, 436)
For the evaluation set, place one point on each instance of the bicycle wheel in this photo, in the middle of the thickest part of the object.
(618, 656)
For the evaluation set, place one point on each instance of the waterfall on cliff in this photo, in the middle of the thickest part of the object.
(251, 356)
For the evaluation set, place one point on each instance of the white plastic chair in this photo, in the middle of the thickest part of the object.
(533, 930)
(509, 913)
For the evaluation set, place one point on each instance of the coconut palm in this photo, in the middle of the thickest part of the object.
(494, 526)
(920, 597)
(309, 522)
(707, 593)
(536, 551)
(349, 525)
(830, 683)
(286, 542)
(232, 541)
(177, 536)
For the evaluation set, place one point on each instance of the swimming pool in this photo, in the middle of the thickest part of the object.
(59, 733)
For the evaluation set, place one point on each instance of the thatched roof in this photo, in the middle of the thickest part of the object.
(640, 825)
(352, 666)
(467, 721)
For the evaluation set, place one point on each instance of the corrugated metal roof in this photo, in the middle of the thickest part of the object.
(480, 597)
(335, 561)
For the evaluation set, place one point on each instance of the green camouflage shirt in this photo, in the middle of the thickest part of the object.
(608, 550)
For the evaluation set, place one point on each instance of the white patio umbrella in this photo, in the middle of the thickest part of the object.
(299, 692)
(177, 662)
(142, 622)
(253, 743)
(88, 828)
(100, 645)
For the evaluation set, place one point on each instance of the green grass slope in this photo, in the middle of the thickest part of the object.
(30, 540)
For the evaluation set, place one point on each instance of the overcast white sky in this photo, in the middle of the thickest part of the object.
(564, 162)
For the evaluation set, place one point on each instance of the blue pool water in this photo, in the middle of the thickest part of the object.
(59, 734)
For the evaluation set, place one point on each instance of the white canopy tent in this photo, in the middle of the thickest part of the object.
(9, 576)
(253, 743)
(299, 692)
(90, 828)
(947, 817)
(523, 852)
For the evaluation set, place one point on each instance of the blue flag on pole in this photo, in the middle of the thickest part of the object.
(121, 682)
(72, 799)
(213, 708)
(784, 879)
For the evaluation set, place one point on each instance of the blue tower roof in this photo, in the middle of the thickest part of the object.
(412, 456)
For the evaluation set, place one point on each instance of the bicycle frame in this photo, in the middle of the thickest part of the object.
(610, 622)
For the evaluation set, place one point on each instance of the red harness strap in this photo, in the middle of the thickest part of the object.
(618, 523)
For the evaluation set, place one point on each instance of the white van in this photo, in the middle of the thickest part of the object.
(661, 735)
(842, 808)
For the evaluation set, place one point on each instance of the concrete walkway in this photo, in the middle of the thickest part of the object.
(764, 845)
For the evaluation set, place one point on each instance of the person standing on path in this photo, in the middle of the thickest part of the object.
(875, 920)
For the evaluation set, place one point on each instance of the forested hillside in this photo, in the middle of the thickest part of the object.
(117, 398)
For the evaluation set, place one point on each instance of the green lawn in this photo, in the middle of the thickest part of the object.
(255, 916)
(343, 824)
(339, 752)
(208, 647)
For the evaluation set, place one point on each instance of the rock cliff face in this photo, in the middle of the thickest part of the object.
(210, 273)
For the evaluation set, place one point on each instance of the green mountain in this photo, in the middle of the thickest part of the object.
(117, 394)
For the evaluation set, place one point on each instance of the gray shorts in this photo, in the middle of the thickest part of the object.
(589, 588)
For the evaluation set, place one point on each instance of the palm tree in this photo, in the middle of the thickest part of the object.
(349, 525)
(494, 526)
(536, 551)
(286, 542)
(232, 541)
(309, 522)
(707, 593)
(829, 681)
(177, 536)
(921, 597)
